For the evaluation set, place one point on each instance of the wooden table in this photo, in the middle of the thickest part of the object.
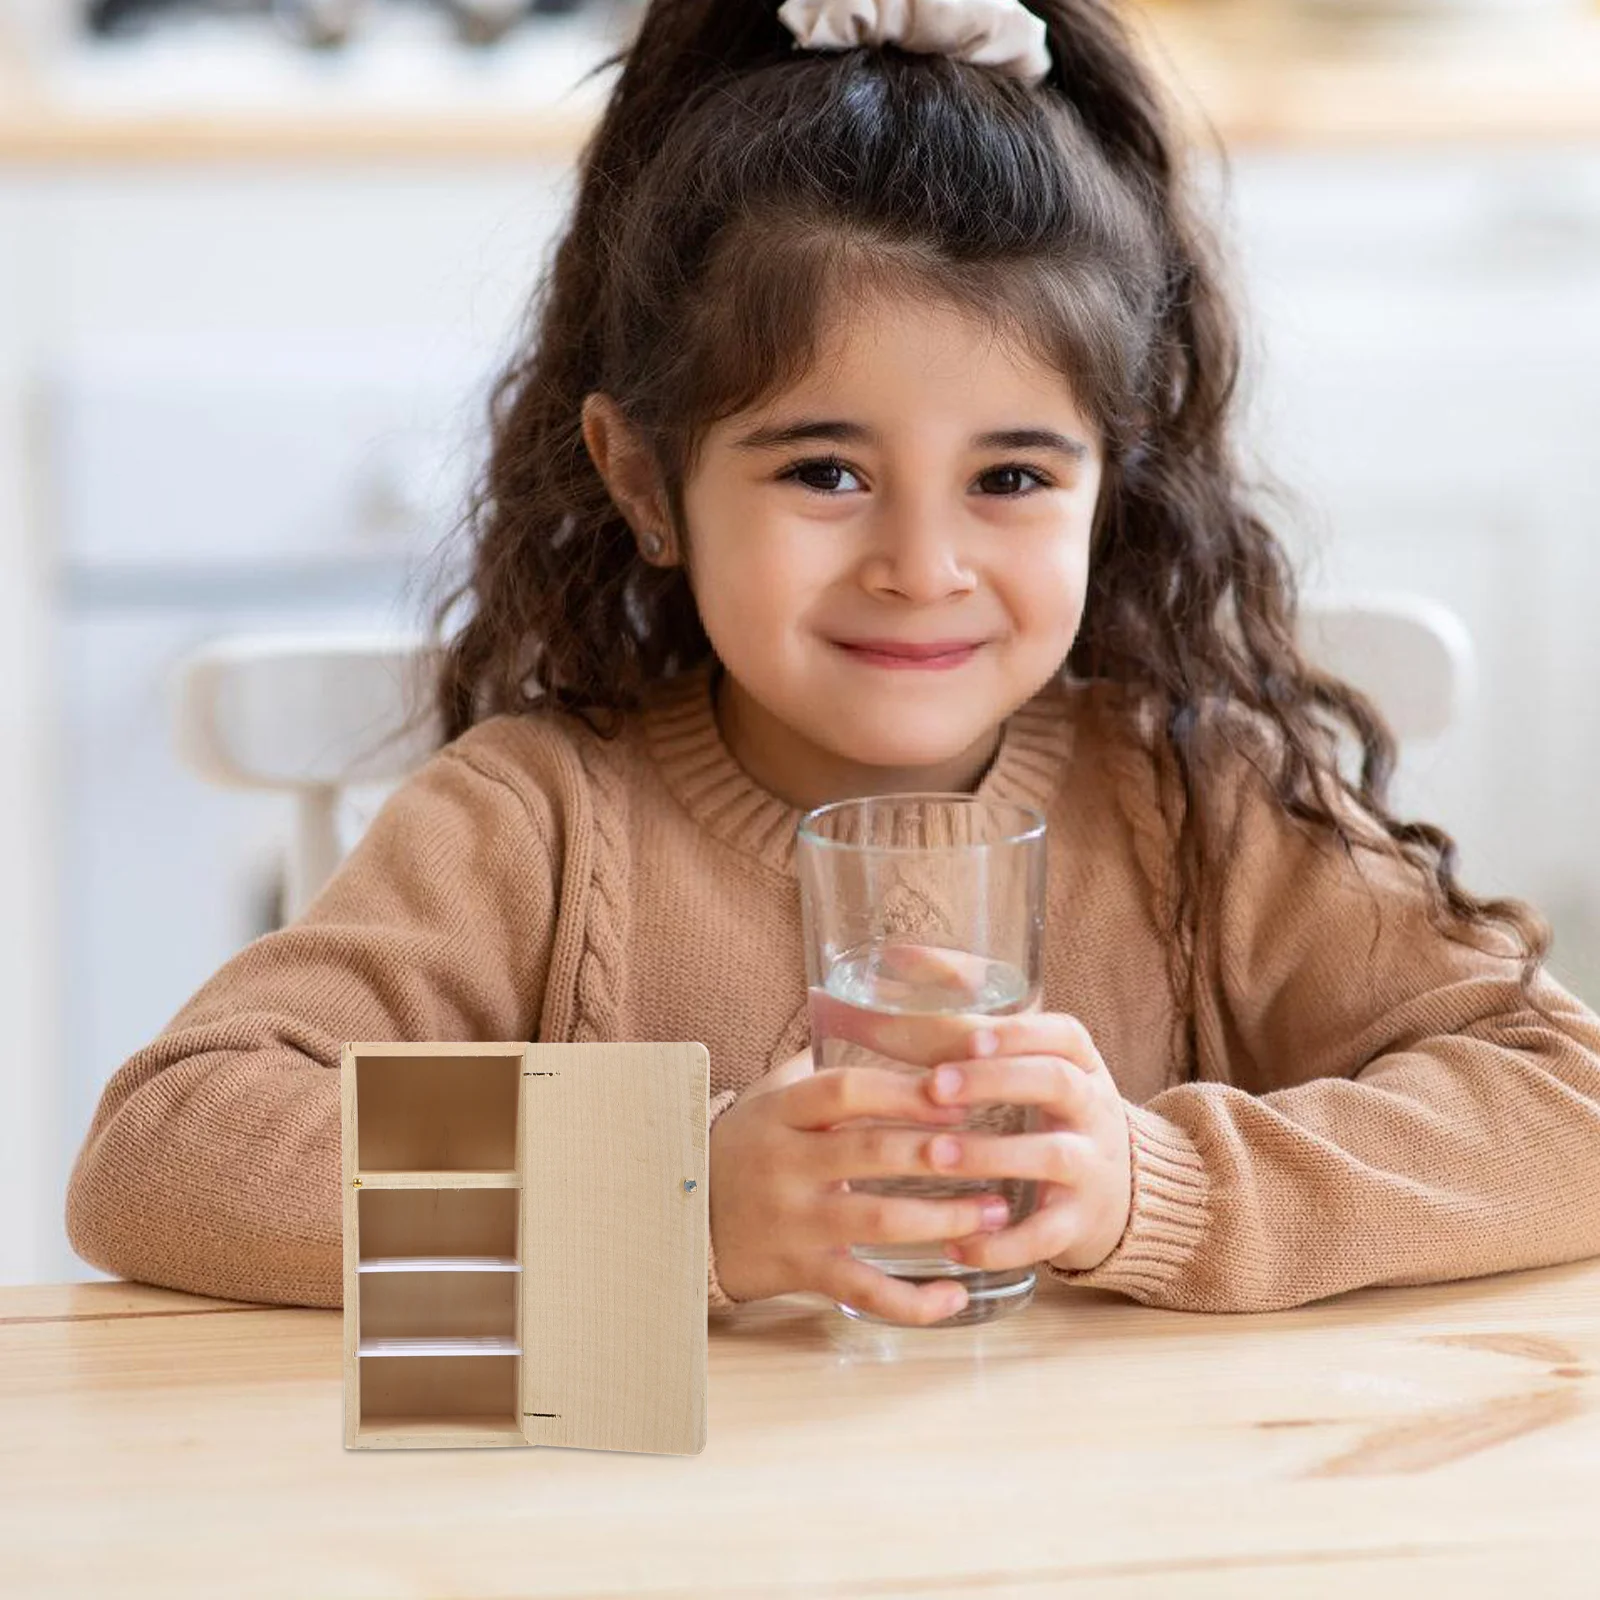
(1410, 1442)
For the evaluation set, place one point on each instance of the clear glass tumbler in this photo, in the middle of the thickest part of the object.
(926, 903)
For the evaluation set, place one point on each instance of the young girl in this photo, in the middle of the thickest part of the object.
(877, 336)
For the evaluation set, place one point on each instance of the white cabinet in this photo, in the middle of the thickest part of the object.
(206, 454)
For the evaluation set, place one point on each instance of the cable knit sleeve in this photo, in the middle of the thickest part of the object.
(212, 1163)
(1382, 1106)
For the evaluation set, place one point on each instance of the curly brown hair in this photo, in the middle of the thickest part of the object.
(734, 183)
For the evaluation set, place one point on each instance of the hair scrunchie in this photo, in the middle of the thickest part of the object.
(1002, 34)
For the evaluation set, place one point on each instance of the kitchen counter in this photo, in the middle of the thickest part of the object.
(1262, 77)
(1246, 68)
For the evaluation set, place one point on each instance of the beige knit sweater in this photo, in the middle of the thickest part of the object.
(1348, 1098)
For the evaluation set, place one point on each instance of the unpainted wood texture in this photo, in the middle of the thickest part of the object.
(519, 1308)
(438, 1304)
(1089, 1446)
(499, 1178)
(585, 1165)
(436, 1112)
(468, 1390)
(348, 1163)
(614, 1245)
(430, 1141)
(1423, 1443)
(437, 1222)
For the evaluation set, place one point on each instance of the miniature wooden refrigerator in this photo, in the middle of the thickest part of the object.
(525, 1245)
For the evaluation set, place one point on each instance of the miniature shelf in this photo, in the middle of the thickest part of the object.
(438, 1112)
(524, 1245)
(435, 1304)
(436, 1195)
(438, 1400)
(455, 1178)
(487, 1345)
(452, 1431)
(439, 1264)
(455, 1224)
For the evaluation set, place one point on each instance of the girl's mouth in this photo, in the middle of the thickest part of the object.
(927, 663)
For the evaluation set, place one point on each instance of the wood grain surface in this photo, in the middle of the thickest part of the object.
(614, 1186)
(1417, 1442)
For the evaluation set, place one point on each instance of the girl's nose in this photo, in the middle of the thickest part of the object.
(919, 557)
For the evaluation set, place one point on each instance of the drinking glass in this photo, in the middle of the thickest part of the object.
(926, 903)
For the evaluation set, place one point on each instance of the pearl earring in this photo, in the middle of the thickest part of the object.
(652, 544)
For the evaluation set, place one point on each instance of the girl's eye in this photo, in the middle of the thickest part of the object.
(831, 464)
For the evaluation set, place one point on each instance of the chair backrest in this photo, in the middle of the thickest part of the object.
(311, 715)
(1412, 656)
(314, 715)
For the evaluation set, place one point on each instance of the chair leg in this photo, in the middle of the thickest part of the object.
(315, 853)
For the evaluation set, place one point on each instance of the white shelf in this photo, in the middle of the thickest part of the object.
(441, 1264)
(486, 1345)
(439, 1178)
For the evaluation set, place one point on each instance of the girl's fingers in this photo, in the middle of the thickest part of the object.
(925, 1038)
(913, 964)
(890, 1152)
(918, 1039)
(1052, 1082)
(903, 1219)
(866, 1151)
(1036, 1238)
(866, 1288)
(837, 1094)
(1049, 1157)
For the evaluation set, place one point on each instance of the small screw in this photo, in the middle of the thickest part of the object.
(688, 1183)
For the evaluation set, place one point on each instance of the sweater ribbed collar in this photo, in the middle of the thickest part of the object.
(700, 770)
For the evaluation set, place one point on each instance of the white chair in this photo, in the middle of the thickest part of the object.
(310, 715)
(1413, 657)
(317, 714)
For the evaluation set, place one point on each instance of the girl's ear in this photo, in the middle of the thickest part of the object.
(630, 475)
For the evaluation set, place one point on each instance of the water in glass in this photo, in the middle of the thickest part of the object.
(870, 979)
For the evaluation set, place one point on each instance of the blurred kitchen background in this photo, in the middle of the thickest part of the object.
(259, 260)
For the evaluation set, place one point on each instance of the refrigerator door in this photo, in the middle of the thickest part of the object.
(614, 1196)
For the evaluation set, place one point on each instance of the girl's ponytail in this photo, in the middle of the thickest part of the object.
(677, 51)
(1096, 70)
(1099, 72)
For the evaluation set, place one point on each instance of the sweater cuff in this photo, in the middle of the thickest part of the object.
(1171, 1191)
(716, 1296)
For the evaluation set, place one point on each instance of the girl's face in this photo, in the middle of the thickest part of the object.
(892, 519)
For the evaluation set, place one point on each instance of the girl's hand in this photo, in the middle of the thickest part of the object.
(782, 1215)
(1082, 1157)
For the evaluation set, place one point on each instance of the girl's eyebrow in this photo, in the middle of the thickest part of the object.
(780, 436)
